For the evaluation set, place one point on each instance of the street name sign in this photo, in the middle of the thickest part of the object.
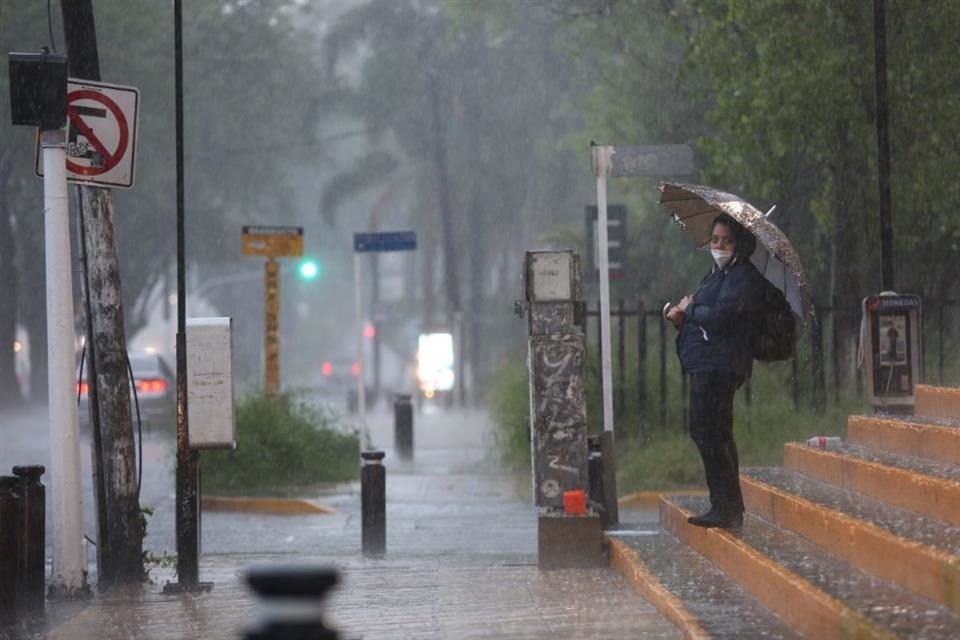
(272, 241)
(101, 134)
(651, 160)
(385, 241)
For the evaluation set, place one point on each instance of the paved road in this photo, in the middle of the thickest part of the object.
(460, 563)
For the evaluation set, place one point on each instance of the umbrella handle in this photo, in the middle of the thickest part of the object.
(767, 214)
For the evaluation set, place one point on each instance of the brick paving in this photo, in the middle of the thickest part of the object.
(461, 563)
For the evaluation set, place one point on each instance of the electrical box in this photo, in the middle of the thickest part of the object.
(210, 383)
(892, 349)
(38, 89)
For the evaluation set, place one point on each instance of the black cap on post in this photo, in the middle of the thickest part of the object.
(38, 89)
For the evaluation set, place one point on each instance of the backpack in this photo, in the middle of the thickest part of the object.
(775, 331)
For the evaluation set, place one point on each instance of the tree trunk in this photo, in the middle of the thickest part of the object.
(121, 534)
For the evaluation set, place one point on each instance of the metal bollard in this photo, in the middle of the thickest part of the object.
(403, 426)
(373, 503)
(33, 568)
(9, 549)
(595, 476)
(291, 602)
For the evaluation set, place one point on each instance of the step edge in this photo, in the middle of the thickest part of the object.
(634, 570)
(839, 620)
(796, 454)
(944, 567)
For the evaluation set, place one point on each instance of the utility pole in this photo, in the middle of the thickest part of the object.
(120, 533)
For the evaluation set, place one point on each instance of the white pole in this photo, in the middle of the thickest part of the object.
(69, 563)
(601, 166)
(361, 391)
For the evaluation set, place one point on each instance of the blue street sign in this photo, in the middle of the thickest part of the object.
(387, 241)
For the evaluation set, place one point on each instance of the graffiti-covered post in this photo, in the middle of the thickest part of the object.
(558, 412)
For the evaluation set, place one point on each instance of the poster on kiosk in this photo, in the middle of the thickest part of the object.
(892, 350)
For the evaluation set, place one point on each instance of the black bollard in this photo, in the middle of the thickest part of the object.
(595, 477)
(403, 426)
(32, 538)
(9, 549)
(373, 503)
(290, 602)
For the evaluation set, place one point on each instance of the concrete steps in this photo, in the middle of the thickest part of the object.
(688, 590)
(858, 542)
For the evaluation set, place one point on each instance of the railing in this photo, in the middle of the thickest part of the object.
(632, 341)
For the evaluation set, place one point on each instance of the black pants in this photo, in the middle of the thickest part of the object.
(711, 427)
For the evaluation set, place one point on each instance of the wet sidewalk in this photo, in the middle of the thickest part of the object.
(461, 561)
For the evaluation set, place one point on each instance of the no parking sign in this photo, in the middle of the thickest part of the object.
(101, 133)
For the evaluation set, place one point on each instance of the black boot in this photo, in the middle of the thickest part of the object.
(715, 519)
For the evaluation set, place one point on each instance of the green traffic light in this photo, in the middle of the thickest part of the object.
(309, 270)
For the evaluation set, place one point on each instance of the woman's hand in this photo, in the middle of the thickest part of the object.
(675, 315)
(685, 302)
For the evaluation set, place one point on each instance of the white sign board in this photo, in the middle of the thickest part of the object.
(210, 383)
(101, 134)
(550, 276)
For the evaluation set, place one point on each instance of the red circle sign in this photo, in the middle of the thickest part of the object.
(110, 160)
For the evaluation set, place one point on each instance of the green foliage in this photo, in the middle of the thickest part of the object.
(509, 402)
(281, 443)
(655, 454)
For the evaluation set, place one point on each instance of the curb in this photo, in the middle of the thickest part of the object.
(652, 498)
(275, 506)
(628, 563)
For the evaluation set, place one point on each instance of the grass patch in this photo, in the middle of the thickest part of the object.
(664, 457)
(281, 443)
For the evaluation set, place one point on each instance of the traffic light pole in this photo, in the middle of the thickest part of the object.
(365, 442)
(188, 499)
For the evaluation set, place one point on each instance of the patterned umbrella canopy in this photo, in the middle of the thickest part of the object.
(694, 207)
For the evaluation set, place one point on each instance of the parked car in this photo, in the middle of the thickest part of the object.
(156, 393)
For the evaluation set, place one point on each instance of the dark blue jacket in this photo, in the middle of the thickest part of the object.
(716, 333)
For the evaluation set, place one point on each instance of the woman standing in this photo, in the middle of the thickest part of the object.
(716, 326)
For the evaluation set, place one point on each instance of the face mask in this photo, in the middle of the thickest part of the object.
(721, 257)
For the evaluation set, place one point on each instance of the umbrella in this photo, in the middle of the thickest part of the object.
(694, 207)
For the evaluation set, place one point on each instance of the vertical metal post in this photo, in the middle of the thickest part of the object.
(271, 333)
(795, 375)
(403, 426)
(599, 347)
(684, 411)
(9, 549)
(663, 373)
(601, 167)
(641, 366)
(373, 503)
(621, 360)
(69, 563)
(33, 569)
(188, 502)
(941, 304)
(361, 384)
(819, 373)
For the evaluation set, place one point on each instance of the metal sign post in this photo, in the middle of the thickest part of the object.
(366, 243)
(272, 242)
(271, 333)
(640, 160)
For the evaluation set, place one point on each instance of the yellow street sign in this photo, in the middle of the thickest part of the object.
(272, 242)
